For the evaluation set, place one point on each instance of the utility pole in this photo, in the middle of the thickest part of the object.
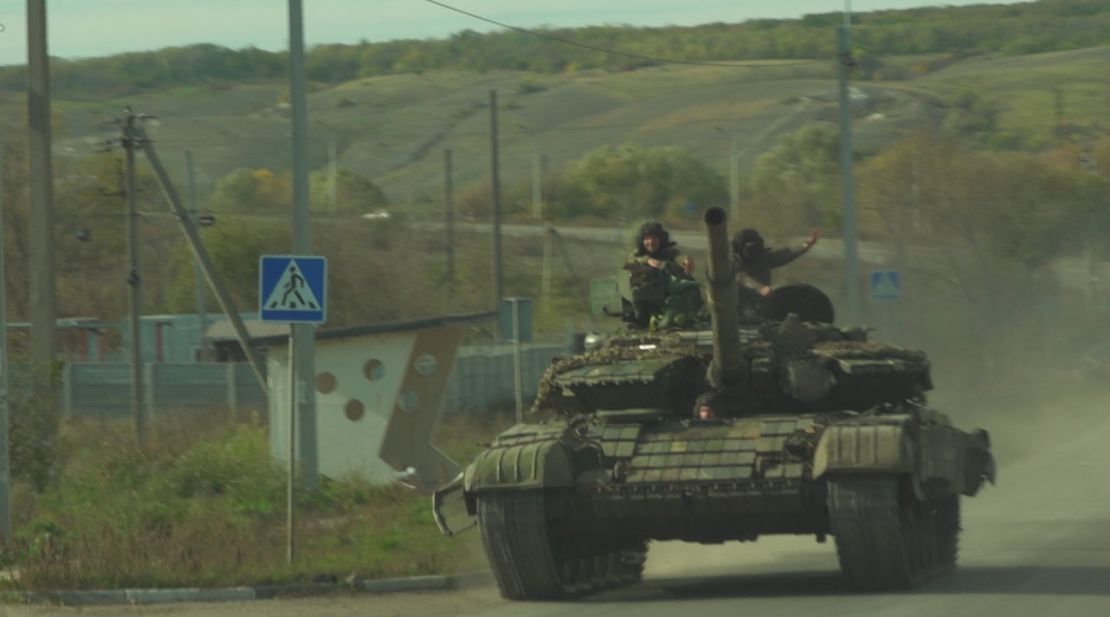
(537, 174)
(449, 205)
(1089, 163)
(303, 337)
(333, 173)
(844, 64)
(193, 237)
(545, 276)
(129, 140)
(5, 443)
(41, 241)
(198, 270)
(495, 201)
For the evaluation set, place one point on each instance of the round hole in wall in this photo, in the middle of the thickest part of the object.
(373, 369)
(354, 410)
(325, 383)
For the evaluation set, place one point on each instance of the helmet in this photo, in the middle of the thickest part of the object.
(748, 239)
(652, 228)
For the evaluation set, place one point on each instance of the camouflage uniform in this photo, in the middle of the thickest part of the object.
(753, 271)
(665, 297)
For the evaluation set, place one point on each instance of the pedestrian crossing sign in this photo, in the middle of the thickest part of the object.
(292, 288)
(885, 285)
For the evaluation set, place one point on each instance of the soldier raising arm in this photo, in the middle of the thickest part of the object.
(754, 261)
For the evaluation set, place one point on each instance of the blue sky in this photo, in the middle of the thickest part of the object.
(82, 28)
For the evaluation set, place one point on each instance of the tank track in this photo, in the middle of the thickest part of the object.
(886, 539)
(532, 560)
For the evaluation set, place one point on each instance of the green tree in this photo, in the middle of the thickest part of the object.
(354, 194)
(247, 191)
(235, 245)
(631, 181)
(797, 184)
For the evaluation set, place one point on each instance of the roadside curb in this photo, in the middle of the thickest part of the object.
(92, 597)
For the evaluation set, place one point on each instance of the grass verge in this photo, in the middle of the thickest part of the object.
(204, 505)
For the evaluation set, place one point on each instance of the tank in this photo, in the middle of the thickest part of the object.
(741, 430)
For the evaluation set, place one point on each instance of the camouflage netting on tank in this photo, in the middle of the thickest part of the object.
(647, 346)
(850, 350)
(622, 349)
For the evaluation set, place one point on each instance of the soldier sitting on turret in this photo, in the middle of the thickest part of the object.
(753, 263)
(664, 293)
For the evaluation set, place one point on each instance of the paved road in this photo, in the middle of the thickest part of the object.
(1037, 544)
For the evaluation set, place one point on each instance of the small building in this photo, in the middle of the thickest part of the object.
(379, 389)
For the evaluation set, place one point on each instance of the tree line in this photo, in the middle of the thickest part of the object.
(1014, 29)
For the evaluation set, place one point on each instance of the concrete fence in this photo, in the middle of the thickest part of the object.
(105, 389)
(482, 378)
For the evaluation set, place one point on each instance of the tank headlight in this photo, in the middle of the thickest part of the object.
(592, 341)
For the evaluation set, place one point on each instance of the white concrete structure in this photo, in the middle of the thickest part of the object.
(378, 392)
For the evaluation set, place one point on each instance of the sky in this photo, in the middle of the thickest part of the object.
(88, 28)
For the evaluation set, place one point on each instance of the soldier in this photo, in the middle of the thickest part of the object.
(754, 261)
(664, 293)
(655, 248)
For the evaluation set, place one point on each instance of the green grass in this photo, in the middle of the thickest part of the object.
(1024, 88)
(205, 506)
(393, 128)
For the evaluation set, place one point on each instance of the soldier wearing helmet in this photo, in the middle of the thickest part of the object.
(655, 248)
(664, 293)
(754, 262)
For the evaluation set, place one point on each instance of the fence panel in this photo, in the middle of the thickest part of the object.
(99, 389)
(481, 378)
(188, 385)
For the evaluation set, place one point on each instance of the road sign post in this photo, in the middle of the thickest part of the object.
(885, 288)
(292, 289)
(885, 284)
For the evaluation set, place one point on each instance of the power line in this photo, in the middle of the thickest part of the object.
(611, 52)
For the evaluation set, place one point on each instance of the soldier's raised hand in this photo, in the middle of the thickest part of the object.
(812, 239)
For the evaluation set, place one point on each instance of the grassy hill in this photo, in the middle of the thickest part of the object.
(393, 128)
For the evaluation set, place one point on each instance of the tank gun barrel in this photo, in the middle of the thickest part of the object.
(727, 370)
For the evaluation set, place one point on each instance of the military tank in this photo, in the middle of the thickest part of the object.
(745, 430)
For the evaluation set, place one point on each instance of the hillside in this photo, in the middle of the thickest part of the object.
(393, 128)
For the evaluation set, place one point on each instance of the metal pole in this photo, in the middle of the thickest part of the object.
(545, 277)
(134, 283)
(5, 450)
(537, 180)
(291, 479)
(518, 381)
(41, 241)
(495, 200)
(1089, 163)
(734, 180)
(333, 174)
(449, 204)
(198, 270)
(851, 256)
(304, 337)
